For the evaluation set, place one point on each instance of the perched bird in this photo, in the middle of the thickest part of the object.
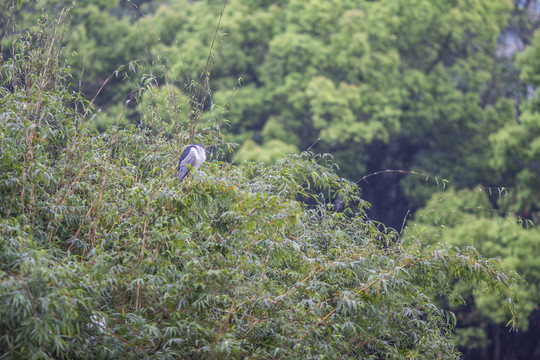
(192, 157)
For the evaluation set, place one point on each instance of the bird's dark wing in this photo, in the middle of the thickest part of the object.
(187, 161)
(183, 171)
(185, 153)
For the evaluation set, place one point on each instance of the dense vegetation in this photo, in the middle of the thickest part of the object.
(104, 253)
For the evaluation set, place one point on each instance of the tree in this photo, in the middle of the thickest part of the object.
(467, 218)
(516, 146)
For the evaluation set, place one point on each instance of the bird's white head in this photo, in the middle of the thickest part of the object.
(201, 151)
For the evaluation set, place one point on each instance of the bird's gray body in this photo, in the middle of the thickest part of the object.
(192, 157)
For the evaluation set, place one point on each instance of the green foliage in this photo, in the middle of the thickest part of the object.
(467, 218)
(104, 254)
(516, 147)
(528, 61)
(363, 80)
(269, 152)
(516, 153)
(163, 108)
(45, 308)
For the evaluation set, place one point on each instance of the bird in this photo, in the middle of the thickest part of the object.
(192, 157)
